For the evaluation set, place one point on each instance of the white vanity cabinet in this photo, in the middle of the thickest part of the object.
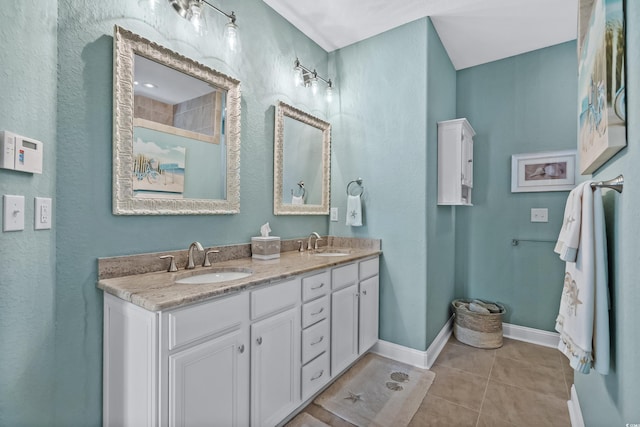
(354, 312)
(455, 162)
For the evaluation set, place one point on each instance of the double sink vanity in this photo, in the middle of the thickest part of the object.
(243, 342)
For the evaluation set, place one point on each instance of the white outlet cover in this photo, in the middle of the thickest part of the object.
(539, 215)
(13, 213)
(42, 213)
(334, 214)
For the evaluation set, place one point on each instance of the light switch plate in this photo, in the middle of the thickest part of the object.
(539, 215)
(42, 213)
(13, 214)
(334, 214)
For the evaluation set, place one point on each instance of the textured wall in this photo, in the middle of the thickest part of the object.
(613, 399)
(27, 258)
(86, 229)
(523, 104)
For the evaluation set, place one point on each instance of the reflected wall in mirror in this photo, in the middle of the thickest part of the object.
(302, 152)
(176, 133)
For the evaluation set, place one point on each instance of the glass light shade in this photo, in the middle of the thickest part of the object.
(298, 79)
(314, 85)
(197, 17)
(329, 94)
(231, 36)
(151, 5)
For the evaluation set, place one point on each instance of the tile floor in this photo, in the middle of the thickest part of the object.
(519, 384)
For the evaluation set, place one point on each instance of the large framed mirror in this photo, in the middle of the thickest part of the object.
(176, 133)
(302, 156)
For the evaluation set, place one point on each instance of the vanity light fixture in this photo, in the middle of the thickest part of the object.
(194, 12)
(303, 76)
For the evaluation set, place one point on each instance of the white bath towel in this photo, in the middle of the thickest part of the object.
(583, 319)
(354, 211)
(297, 200)
(569, 239)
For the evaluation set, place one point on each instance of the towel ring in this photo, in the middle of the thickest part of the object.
(358, 182)
(300, 188)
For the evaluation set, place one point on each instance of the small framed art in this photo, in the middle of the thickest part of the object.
(545, 171)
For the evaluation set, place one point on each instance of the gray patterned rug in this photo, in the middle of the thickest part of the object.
(377, 392)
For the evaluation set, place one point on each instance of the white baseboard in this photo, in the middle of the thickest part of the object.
(425, 359)
(575, 413)
(534, 336)
(413, 357)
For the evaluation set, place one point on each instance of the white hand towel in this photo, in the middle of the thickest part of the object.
(583, 319)
(297, 200)
(354, 211)
(569, 239)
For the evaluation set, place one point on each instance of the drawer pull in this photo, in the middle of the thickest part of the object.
(364, 292)
(241, 349)
(318, 375)
(319, 341)
(317, 287)
(259, 340)
(318, 312)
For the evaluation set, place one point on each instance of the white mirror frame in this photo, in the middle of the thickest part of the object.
(126, 46)
(279, 207)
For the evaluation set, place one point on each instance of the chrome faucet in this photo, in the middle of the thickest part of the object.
(317, 236)
(190, 263)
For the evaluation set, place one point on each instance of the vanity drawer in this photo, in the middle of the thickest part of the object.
(275, 298)
(190, 324)
(315, 286)
(343, 276)
(369, 268)
(315, 375)
(315, 340)
(315, 311)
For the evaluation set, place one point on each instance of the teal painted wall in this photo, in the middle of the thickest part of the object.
(86, 229)
(522, 104)
(394, 87)
(613, 399)
(27, 258)
(441, 220)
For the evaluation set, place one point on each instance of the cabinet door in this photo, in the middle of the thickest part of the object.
(368, 314)
(344, 328)
(209, 383)
(467, 159)
(275, 367)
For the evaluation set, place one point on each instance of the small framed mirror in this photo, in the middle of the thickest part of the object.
(302, 155)
(176, 133)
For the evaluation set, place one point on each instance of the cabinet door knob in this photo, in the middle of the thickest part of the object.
(241, 349)
(259, 340)
(364, 292)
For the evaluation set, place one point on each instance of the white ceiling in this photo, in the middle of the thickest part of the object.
(473, 31)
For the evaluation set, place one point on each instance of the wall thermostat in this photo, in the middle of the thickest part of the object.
(20, 153)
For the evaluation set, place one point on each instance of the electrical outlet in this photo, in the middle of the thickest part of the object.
(539, 215)
(334, 214)
(42, 213)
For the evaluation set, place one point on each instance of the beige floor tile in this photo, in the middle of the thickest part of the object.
(489, 421)
(437, 412)
(530, 376)
(523, 407)
(539, 355)
(458, 386)
(476, 361)
(326, 416)
(568, 375)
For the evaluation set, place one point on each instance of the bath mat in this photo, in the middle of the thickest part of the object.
(377, 391)
(304, 419)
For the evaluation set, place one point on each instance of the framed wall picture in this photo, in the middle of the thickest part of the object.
(601, 82)
(545, 171)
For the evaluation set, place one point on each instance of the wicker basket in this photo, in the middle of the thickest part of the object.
(477, 329)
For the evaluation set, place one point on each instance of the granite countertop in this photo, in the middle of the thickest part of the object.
(157, 291)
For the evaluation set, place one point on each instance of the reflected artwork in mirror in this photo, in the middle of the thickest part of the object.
(302, 152)
(176, 133)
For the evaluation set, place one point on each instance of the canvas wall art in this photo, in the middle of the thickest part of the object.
(601, 82)
(158, 169)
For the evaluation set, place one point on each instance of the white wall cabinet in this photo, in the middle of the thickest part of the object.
(247, 359)
(455, 162)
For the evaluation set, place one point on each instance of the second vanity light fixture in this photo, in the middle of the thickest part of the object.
(303, 76)
(194, 12)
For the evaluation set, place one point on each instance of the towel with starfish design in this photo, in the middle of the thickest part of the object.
(583, 318)
(569, 239)
(354, 211)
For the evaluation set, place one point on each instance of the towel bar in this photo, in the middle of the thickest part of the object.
(516, 242)
(614, 184)
(357, 182)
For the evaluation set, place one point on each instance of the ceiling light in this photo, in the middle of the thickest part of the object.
(303, 76)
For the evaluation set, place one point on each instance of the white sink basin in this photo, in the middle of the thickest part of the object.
(214, 277)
